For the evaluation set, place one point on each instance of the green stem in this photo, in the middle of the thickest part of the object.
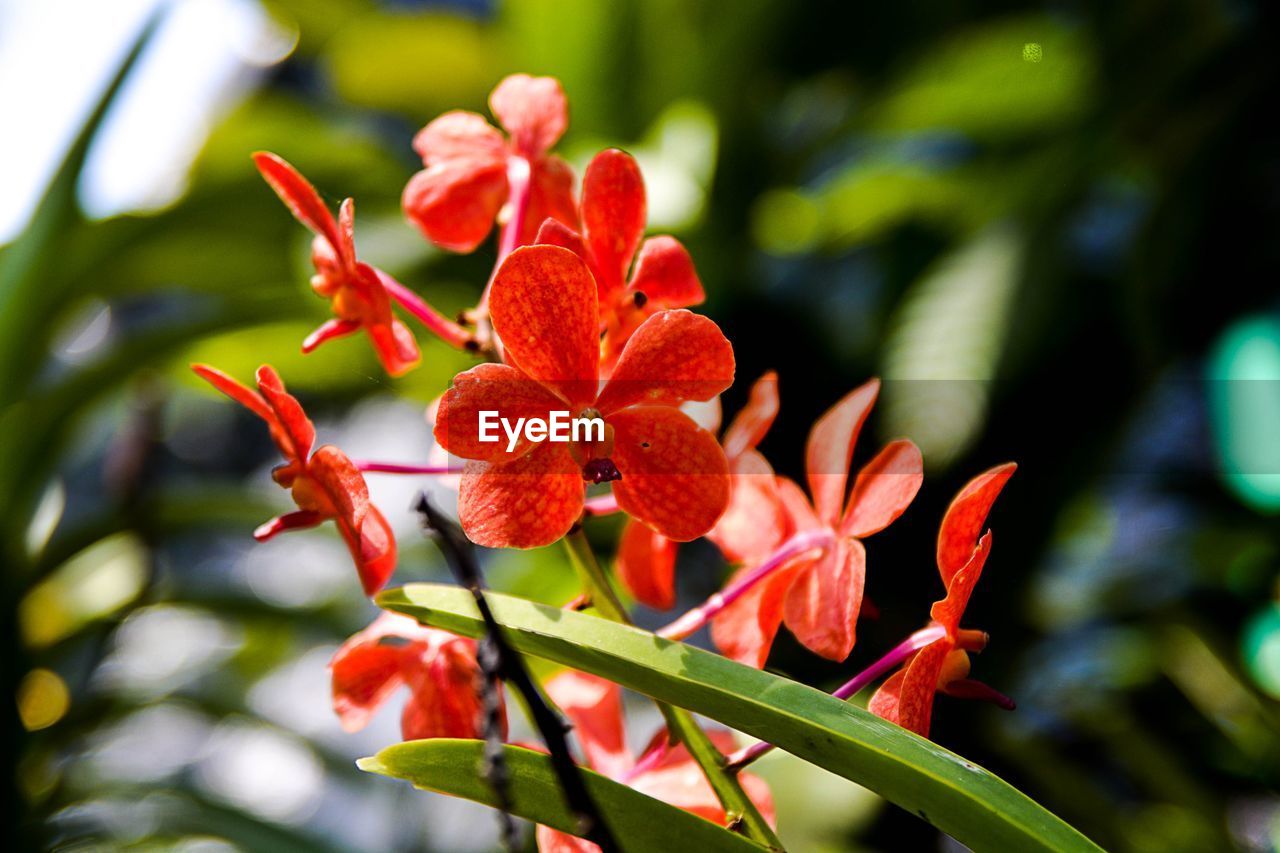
(595, 583)
(743, 816)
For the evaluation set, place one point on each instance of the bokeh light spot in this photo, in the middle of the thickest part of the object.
(43, 699)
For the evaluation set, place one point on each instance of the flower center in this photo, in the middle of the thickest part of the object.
(601, 471)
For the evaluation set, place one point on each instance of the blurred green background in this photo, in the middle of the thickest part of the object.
(1051, 227)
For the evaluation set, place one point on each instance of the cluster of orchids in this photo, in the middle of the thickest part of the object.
(584, 314)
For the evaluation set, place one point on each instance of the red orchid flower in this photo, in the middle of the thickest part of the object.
(613, 219)
(356, 290)
(906, 698)
(751, 526)
(471, 168)
(663, 771)
(325, 484)
(439, 668)
(818, 598)
(665, 469)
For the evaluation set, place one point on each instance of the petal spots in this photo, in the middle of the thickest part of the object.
(646, 565)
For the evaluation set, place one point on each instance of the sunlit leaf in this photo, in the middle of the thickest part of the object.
(1018, 76)
(945, 344)
(638, 821)
(976, 807)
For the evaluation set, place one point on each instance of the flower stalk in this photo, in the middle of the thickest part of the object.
(439, 325)
(370, 467)
(519, 183)
(798, 545)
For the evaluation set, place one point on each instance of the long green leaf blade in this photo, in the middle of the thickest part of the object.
(960, 798)
(639, 822)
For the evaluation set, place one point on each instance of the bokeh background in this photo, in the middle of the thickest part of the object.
(1051, 227)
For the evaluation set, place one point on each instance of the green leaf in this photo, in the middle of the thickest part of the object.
(638, 821)
(967, 802)
(24, 295)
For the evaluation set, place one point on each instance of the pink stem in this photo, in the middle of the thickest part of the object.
(395, 468)
(694, 619)
(445, 329)
(519, 185)
(601, 505)
(891, 659)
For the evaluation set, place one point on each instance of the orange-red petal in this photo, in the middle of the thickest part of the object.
(961, 526)
(342, 483)
(347, 230)
(665, 274)
(366, 670)
(907, 697)
(489, 388)
(543, 305)
(553, 232)
(646, 565)
(299, 196)
(824, 601)
(527, 503)
(674, 356)
(299, 520)
(377, 560)
(295, 428)
(242, 394)
(554, 841)
(550, 197)
(680, 783)
(454, 202)
(755, 522)
(829, 452)
(594, 707)
(883, 489)
(950, 610)
(744, 631)
(613, 217)
(395, 346)
(447, 699)
(749, 426)
(795, 503)
(674, 474)
(534, 110)
(459, 134)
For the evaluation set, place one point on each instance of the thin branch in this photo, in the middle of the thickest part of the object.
(459, 553)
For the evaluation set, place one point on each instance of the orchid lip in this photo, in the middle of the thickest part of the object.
(601, 471)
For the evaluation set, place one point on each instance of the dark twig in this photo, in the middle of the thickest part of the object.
(459, 553)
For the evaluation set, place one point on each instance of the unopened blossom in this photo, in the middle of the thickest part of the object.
(355, 289)
(325, 484)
